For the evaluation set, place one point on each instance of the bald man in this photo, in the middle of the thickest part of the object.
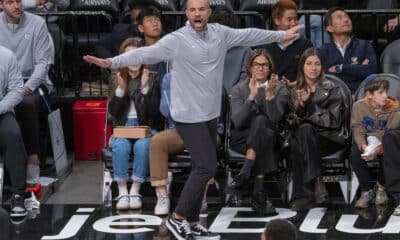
(196, 53)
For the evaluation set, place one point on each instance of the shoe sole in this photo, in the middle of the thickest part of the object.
(161, 213)
(135, 207)
(172, 230)
(19, 214)
(122, 208)
(208, 237)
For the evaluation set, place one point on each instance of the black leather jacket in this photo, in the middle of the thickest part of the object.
(147, 105)
(325, 110)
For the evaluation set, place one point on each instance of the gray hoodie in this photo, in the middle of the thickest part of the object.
(29, 41)
(11, 84)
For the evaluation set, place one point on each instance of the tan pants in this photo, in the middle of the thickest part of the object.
(161, 145)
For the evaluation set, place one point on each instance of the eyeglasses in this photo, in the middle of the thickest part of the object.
(257, 65)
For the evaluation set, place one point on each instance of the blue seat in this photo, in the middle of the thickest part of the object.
(390, 58)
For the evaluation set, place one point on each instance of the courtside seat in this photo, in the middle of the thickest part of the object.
(336, 166)
(390, 58)
(169, 5)
(216, 3)
(93, 19)
(259, 11)
(235, 160)
(111, 6)
(394, 85)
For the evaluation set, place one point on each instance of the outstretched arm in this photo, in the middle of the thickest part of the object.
(253, 37)
(163, 50)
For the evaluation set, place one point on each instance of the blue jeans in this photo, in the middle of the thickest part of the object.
(121, 149)
(317, 29)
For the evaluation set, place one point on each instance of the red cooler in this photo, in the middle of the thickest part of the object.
(89, 123)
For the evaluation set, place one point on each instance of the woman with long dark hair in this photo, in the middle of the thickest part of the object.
(135, 101)
(258, 105)
(318, 103)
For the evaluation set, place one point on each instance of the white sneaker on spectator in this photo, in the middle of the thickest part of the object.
(162, 206)
(204, 207)
(135, 201)
(123, 202)
(396, 211)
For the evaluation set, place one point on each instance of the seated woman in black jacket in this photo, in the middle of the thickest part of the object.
(319, 106)
(258, 105)
(134, 102)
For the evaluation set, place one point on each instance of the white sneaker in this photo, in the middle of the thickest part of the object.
(123, 202)
(162, 206)
(135, 201)
(396, 211)
(204, 207)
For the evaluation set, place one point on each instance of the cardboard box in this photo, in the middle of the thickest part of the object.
(132, 132)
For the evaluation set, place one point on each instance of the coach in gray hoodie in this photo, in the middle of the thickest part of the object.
(26, 35)
(11, 143)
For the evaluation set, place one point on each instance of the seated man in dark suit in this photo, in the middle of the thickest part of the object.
(108, 46)
(349, 58)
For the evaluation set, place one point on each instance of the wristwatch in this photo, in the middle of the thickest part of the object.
(338, 68)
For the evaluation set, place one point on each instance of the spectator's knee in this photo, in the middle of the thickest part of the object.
(305, 129)
(120, 145)
(259, 122)
(141, 146)
(13, 135)
(209, 172)
(157, 142)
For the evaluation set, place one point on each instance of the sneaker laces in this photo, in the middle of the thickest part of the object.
(198, 227)
(121, 196)
(185, 227)
(32, 203)
(135, 195)
(163, 200)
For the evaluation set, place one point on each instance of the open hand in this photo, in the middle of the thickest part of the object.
(27, 90)
(121, 81)
(104, 63)
(302, 96)
(253, 89)
(145, 77)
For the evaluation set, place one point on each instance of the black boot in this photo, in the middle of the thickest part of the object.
(261, 205)
(238, 185)
(320, 194)
(303, 204)
(235, 201)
